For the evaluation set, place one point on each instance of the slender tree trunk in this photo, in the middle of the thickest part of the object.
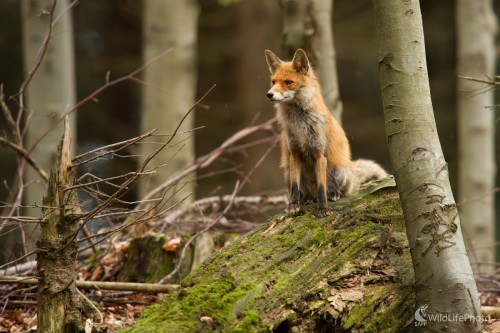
(443, 276)
(307, 24)
(324, 52)
(171, 83)
(476, 29)
(50, 92)
(295, 25)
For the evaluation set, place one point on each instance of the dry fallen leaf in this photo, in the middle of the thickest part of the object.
(172, 245)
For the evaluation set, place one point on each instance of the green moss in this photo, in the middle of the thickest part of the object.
(213, 299)
(290, 265)
(393, 318)
(249, 323)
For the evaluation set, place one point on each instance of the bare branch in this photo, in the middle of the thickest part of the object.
(95, 93)
(489, 81)
(20, 151)
(101, 285)
(121, 145)
(207, 159)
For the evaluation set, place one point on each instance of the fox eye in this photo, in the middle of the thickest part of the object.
(288, 82)
(273, 82)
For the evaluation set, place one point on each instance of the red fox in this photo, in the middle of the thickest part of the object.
(315, 152)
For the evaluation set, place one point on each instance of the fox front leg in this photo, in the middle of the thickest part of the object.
(321, 180)
(293, 204)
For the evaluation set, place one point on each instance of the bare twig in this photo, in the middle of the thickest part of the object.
(207, 159)
(95, 93)
(109, 149)
(20, 151)
(12, 262)
(237, 188)
(489, 81)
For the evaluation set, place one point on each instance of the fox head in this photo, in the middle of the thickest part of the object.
(290, 80)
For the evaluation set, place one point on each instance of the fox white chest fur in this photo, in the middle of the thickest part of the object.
(304, 130)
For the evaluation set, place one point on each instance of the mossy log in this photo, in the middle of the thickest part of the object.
(349, 272)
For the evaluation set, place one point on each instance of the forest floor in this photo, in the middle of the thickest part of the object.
(119, 309)
(122, 309)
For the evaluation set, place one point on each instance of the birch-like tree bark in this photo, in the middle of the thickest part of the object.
(49, 93)
(307, 24)
(444, 282)
(295, 25)
(476, 54)
(323, 49)
(170, 84)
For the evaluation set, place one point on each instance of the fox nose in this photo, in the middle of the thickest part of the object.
(269, 95)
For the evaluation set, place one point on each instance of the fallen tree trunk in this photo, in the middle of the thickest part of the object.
(348, 272)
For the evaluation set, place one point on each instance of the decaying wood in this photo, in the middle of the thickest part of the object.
(59, 304)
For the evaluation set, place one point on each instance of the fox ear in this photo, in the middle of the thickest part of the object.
(273, 62)
(300, 63)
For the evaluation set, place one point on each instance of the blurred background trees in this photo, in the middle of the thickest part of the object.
(477, 118)
(40, 106)
(170, 86)
(110, 38)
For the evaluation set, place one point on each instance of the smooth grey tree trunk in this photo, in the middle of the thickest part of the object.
(49, 94)
(324, 50)
(476, 54)
(444, 282)
(295, 24)
(307, 24)
(170, 85)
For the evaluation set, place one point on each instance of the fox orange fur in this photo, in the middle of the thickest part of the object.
(315, 152)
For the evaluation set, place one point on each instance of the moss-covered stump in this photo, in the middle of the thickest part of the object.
(147, 261)
(349, 272)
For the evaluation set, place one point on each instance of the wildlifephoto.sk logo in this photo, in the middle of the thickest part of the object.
(422, 317)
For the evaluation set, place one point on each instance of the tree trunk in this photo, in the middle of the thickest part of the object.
(59, 305)
(324, 51)
(295, 25)
(50, 92)
(444, 281)
(476, 29)
(350, 272)
(170, 85)
(307, 24)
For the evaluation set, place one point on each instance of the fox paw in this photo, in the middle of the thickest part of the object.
(293, 209)
(323, 212)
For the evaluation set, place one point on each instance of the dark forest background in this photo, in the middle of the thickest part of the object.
(231, 42)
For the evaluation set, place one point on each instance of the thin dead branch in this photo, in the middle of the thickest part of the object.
(21, 152)
(102, 285)
(491, 82)
(96, 92)
(206, 160)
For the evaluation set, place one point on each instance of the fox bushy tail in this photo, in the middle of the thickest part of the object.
(365, 170)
